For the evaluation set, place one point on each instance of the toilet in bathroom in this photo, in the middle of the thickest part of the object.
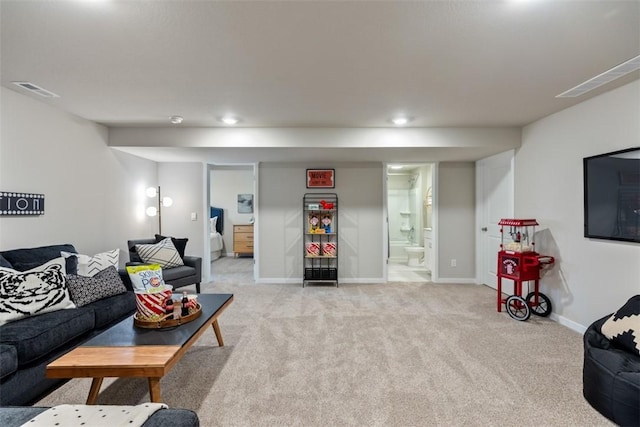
(415, 254)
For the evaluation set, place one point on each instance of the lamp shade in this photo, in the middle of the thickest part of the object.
(152, 191)
(167, 201)
(152, 211)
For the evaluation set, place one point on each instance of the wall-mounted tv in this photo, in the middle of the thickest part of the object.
(612, 196)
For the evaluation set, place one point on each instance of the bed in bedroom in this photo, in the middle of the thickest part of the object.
(216, 228)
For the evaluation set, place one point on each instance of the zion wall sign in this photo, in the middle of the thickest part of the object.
(21, 204)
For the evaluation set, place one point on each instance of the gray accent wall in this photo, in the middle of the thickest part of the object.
(456, 221)
(360, 220)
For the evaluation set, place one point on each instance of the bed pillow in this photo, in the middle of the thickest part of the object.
(179, 243)
(163, 253)
(89, 266)
(85, 290)
(623, 327)
(213, 223)
(40, 290)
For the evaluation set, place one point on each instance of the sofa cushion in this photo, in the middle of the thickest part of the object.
(36, 291)
(85, 290)
(4, 263)
(26, 259)
(179, 243)
(37, 336)
(177, 273)
(623, 326)
(110, 309)
(8, 360)
(163, 253)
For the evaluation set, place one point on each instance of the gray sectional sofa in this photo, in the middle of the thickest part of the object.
(29, 344)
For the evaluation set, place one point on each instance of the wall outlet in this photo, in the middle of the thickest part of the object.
(454, 263)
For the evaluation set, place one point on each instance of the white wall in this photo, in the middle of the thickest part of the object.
(360, 219)
(226, 182)
(456, 222)
(185, 184)
(94, 195)
(592, 277)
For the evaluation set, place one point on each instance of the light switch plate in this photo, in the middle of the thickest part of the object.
(194, 216)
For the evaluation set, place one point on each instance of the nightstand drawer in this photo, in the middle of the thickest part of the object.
(243, 229)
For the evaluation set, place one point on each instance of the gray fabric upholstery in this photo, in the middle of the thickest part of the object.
(16, 416)
(38, 335)
(188, 274)
(110, 309)
(26, 259)
(8, 360)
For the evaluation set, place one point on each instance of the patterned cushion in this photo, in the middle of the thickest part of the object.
(85, 290)
(39, 290)
(89, 266)
(180, 244)
(164, 253)
(623, 327)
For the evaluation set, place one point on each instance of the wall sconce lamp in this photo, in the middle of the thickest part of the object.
(162, 201)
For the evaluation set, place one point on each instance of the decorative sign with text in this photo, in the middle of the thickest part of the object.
(321, 178)
(21, 203)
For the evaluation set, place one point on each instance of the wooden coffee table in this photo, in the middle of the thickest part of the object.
(125, 350)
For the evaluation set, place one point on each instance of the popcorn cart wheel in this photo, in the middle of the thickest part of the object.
(522, 308)
(517, 308)
(539, 303)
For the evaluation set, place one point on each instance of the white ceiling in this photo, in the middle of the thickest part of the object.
(315, 63)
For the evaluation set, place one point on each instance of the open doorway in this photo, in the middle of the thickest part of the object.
(410, 218)
(233, 214)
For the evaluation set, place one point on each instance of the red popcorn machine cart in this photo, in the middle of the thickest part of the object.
(518, 261)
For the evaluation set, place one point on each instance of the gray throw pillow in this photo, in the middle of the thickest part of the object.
(85, 290)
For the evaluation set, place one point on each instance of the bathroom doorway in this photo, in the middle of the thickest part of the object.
(409, 222)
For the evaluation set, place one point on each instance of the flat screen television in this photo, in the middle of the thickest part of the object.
(612, 195)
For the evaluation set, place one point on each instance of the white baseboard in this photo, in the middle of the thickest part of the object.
(299, 280)
(465, 281)
(362, 280)
(568, 323)
(280, 281)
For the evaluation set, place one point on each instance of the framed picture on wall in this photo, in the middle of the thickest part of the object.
(321, 178)
(245, 203)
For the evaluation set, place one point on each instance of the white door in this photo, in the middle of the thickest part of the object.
(494, 191)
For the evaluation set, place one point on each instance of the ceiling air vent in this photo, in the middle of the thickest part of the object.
(626, 67)
(36, 89)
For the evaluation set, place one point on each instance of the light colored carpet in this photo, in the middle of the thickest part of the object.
(397, 354)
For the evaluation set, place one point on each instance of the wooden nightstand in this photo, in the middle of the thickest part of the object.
(242, 240)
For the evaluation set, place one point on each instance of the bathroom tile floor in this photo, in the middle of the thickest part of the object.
(401, 272)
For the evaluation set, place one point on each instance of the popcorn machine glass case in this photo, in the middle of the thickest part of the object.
(518, 261)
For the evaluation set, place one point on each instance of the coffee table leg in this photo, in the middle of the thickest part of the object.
(93, 392)
(216, 329)
(154, 389)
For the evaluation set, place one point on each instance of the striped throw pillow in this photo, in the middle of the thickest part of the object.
(163, 253)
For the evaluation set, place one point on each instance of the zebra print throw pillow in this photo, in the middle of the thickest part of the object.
(36, 291)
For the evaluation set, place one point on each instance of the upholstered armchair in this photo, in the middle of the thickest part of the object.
(188, 274)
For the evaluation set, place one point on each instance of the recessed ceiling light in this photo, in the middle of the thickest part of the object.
(400, 120)
(176, 120)
(229, 120)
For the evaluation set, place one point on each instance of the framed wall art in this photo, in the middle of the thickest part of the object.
(321, 178)
(245, 203)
